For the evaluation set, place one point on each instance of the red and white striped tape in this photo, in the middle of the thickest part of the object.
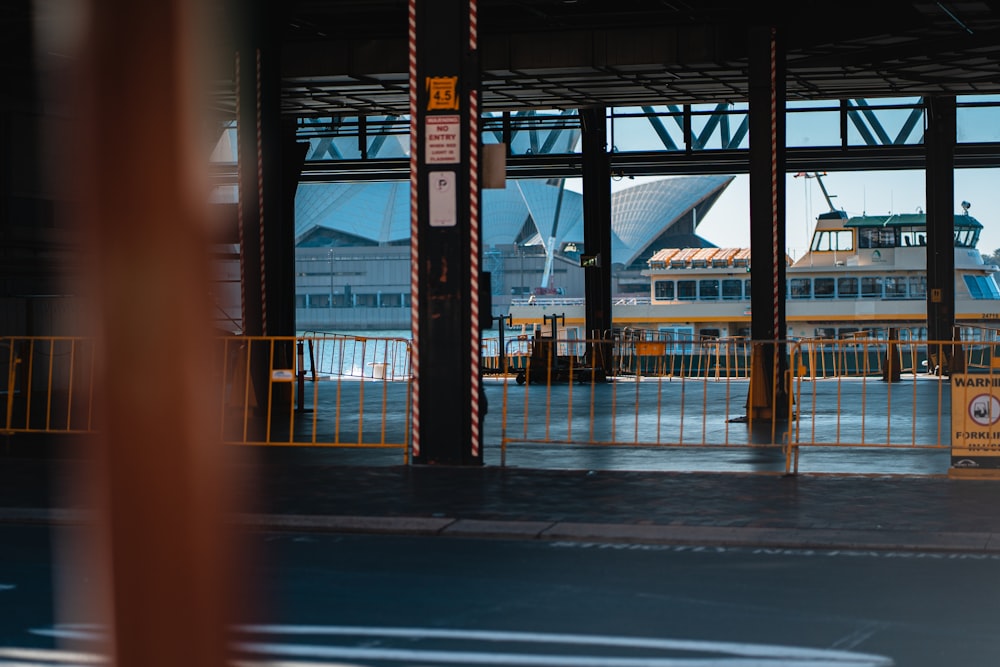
(239, 208)
(260, 206)
(474, 240)
(774, 185)
(414, 232)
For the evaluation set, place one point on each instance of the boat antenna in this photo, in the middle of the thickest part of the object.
(818, 175)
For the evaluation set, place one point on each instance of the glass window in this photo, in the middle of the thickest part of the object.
(823, 288)
(982, 287)
(825, 332)
(895, 288)
(847, 288)
(833, 240)
(708, 290)
(800, 288)
(663, 289)
(687, 290)
(875, 237)
(918, 287)
(871, 287)
(732, 290)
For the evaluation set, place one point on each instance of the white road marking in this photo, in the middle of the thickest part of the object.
(730, 654)
(761, 654)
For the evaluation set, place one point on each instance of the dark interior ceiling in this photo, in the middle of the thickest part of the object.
(349, 56)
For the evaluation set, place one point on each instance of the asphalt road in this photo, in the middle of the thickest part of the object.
(405, 600)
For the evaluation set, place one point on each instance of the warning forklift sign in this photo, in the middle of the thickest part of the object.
(975, 419)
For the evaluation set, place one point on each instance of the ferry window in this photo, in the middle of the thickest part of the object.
(895, 288)
(875, 333)
(687, 290)
(746, 288)
(743, 332)
(991, 287)
(877, 238)
(965, 238)
(871, 287)
(709, 333)
(663, 289)
(801, 288)
(732, 290)
(910, 236)
(982, 287)
(708, 290)
(847, 288)
(823, 288)
(848, 332)
(833, 240)
(824, 332)
(918, 287)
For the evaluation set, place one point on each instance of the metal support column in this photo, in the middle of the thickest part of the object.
(939, 138)
(267, 191)
(597, 225)
(767, 216)
(444, 238)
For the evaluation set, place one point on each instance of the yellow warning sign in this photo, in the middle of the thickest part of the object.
(442, 92)
(975, 419)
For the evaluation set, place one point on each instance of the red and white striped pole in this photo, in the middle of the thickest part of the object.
(775, 253)
(260, 205)
(474, 238)
(414, 233)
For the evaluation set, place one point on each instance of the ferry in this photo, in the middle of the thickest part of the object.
(863, 277)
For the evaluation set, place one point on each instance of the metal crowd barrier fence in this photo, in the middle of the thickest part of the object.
(886, 394)
(48, 384)
(779, 394)
(346, 392)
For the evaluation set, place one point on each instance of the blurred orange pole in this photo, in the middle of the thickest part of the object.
(161, 475)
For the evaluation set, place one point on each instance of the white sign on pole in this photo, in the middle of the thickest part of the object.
(442, 199)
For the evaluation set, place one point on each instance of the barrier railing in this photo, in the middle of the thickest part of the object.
(49, 384)
(901, 402)
(637, 393)
(739, 393)
(346, 392)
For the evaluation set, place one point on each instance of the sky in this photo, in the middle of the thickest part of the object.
(727, 224)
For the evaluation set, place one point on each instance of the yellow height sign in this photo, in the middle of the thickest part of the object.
(975, 420)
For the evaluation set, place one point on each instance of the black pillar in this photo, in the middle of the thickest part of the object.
(267, 184)
(445, 245)
(597, 223)
(767, 207)
(939, 139)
